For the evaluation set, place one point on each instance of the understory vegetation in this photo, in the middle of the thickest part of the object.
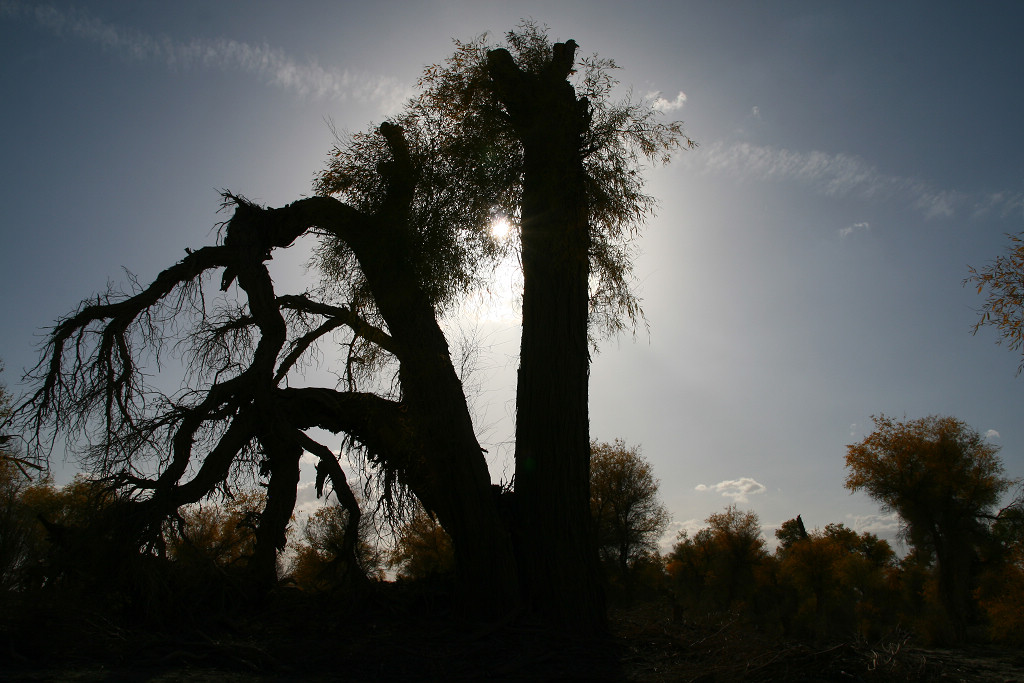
(818, 584)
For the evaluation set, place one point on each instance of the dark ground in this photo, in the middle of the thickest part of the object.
(394, 636)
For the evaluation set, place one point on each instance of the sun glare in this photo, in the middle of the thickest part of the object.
(500, 228)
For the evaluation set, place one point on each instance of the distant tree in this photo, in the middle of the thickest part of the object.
(328, 558)
(8, 446)
(1001, 589)
(624, 501)
(791, 531)
(944, 480)
(1004, 304)
(838, 577)
(19, 533)
(401, 223)
(422, 548)
(718, 566)
(79, 530)
(17, 528)
(215, 534)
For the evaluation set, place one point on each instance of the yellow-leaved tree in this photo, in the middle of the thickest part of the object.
(945, 481)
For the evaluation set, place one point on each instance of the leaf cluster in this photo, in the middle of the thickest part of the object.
(1004, 302)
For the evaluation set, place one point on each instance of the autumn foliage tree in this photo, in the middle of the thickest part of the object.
(332, 555)
(215, 534)
(838, 580)
(400, 222)
(423, 549)
(945, 481)
(717, 568)
(628, 513)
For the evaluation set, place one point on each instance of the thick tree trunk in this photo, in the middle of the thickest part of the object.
(954, 556)
(443, 463)
(557, 551)
(459, 489)
(558, 554)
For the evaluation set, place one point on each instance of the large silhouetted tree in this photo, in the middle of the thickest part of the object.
(401, 218)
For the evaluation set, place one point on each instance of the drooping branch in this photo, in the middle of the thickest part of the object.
(344, 316)
(329, 467)
(215, 468)
(79, 378)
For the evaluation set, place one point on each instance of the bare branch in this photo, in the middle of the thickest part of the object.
(344, 316)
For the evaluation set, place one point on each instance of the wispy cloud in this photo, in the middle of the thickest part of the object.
(850, 229)
(1003, 204)
(270, 65)
(737, 489)
(660, 103)
(843, 175)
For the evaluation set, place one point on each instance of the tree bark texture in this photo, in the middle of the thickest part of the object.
(554, 534)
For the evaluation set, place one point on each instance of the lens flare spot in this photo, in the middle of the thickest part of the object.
(500, 228)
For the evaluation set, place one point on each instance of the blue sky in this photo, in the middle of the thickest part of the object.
(803, 273)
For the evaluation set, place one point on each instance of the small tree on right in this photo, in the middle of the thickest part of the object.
(1004, 303)
(945, 481)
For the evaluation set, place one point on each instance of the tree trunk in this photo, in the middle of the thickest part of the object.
(954, 555)
(282, 486)
(442, 462)
(555, 536)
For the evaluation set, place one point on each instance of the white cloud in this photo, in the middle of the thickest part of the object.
(269, 64)
(991, 435)
(306, 502)
(659, 103)
(755, 112)
(833, 174)
(672, 531)
(879, 525)
(737, 489)
(850, 229)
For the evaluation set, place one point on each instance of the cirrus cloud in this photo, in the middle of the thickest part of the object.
(846, 175)
(271, 65)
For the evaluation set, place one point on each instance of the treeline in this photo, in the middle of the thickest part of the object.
(66, 537)
(830, 582)
(963, 578)
(834, 583)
